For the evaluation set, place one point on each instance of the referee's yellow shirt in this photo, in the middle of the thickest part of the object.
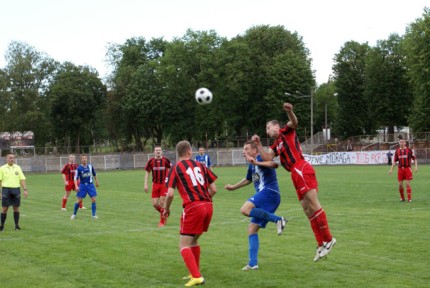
(11, 176)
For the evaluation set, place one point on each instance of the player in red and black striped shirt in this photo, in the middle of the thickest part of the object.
(195, 184)
(404, 156)
(68, 174)
(159, 167)
(287, 147)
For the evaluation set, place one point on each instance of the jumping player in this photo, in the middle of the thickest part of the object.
(288, 148)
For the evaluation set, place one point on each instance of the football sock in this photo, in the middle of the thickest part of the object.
(190, 262)
(162, 220)
(93, 208)
(323, 226)
(3, 218)
(63, 205)
(254, 245)
(16, 218)
(402, 194)
(75, 208)
(315, 228)
(157, 207)
(409, 192)
(263, 214)
(80, 204)
(196, 253)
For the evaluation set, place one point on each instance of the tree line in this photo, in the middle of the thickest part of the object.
(149, 95)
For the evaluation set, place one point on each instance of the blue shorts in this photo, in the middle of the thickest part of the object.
(86, 188)
(268, 200)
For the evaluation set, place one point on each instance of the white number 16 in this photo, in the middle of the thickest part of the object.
(196, 176)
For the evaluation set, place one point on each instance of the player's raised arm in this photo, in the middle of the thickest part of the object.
(266, 155)
(293, 122)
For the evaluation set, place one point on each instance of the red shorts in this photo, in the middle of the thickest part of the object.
(70, 186)
(196, 218)
(159, 190)
(304, 179)
(404, 173)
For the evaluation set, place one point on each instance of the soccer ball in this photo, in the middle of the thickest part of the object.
(203, 96)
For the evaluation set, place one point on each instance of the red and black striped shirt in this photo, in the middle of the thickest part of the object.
(159, 169)
(69, 170)
(192, 179)
(404, 157)
(287, 147)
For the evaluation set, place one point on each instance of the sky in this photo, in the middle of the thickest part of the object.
(80, 31)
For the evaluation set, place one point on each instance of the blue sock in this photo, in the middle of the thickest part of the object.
(254, 244)
(263, 214)
(93, 208)
(75, 208)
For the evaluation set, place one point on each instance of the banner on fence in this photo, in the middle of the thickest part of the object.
(346, 158)
(16, 139)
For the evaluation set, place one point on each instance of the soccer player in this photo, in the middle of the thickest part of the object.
(159, 167)
(68, 174)
(204, 158)
(404, 156)
(11, 179)
(196, 186)
(262, 206)
(287, 147)
(85, 177)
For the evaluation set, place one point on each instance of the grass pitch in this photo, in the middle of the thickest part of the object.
(381, 241)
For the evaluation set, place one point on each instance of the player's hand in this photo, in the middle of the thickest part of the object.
(228, 187)
(288, 107)
(389, 172)
(25, 194)
(256, 139)
(250, 159)
(146, 189)
(66, 183)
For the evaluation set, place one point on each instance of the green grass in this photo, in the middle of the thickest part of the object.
(381, 241)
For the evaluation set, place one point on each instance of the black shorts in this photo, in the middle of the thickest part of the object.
(10, 197)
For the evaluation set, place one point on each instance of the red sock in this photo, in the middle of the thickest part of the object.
(63, 205)
(196, 253)
(80, 205)
(402, 194)
(162, 220)
(190, 262)
(323, 226)
(158, 208)
(409, 192)
(316, 229)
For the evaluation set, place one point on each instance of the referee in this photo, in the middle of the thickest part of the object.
(11, 178)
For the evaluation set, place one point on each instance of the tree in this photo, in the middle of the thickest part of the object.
(417, 51)
(349, 67)
(28, 73)
(387, 91)
(77, 97)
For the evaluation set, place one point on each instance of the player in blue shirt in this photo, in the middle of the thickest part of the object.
(262, 206)
(85, 176)
(204, 158)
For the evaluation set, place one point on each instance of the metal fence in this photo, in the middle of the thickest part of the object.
(219, 157)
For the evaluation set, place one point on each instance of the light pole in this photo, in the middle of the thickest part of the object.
(300, 95)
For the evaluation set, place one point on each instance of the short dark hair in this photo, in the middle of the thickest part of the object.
(252, 143)
(273, 122)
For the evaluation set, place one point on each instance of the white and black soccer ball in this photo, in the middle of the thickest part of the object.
(203, 96)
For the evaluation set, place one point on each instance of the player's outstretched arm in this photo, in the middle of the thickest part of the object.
(266, 155)
(238, 185)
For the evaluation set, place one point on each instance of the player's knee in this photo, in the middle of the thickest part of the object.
(245, 211)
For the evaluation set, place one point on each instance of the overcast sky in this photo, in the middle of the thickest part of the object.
(79, 31)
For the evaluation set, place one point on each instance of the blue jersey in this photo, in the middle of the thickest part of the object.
(262, 177)
(204, 159)
(85, 174)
